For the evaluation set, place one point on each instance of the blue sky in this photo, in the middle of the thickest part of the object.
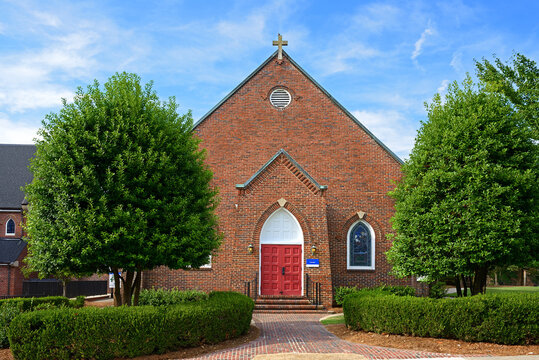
(382, 60)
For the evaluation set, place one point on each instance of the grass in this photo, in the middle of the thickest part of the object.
(506, 290)
(335, 319)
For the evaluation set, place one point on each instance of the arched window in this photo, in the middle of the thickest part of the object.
(10, 227)
(360, 246)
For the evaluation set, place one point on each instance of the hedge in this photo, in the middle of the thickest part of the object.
(28, 304)
(504, 319)
(94, 333)
(342, 291)
(10, 308)
(160, 297)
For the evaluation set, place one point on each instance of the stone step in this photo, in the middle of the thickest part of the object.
(293, 311)
(283, 301)
(285, 307)
(298, 297)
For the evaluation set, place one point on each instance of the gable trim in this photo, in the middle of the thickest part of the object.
(301, 70)
(294, 164)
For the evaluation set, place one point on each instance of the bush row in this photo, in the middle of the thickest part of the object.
(93, 333)
(341, 292)
(10, 308)
(504, 319)
(28, 304)
(160, 297)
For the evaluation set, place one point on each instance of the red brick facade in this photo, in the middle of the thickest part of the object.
(245, 131)
(11, 276)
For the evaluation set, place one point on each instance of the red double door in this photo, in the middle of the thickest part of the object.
(280, 271)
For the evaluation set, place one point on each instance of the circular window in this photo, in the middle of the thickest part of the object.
(280, 98)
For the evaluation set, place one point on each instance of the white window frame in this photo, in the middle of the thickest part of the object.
(373, 247)
(14, 227)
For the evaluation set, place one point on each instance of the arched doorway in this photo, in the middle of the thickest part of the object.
(281, 255)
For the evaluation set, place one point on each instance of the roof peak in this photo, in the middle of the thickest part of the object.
(292, 164)
(315, 83)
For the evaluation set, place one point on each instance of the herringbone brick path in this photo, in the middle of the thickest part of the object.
(303, 333)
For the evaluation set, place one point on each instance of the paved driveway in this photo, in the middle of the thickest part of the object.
(303, 333)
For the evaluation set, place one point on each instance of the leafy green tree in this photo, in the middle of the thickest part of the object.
(119, 185)
(518, 80)
(468, 199)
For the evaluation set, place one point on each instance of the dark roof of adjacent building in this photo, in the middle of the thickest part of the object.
(10, 249)
(14, 173)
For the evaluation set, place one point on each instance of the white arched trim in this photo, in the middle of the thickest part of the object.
(281, 228)
(10, 227)
(351, 266)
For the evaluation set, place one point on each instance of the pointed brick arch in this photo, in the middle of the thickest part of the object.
(270, 210)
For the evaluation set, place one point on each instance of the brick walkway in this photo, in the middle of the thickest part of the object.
(303, 333)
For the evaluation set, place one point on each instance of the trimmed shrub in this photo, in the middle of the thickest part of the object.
(10, 308)
(107, 333)
(8, 312)
(159, 297)
(399, 290)
(28, 304)
(437, 290)
(504, 319)
(341, 292)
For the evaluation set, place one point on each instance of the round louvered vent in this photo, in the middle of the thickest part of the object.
(280, 98)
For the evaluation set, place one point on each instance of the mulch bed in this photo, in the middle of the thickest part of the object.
(445, 346)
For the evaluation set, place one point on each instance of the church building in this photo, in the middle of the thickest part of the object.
(303, 192)
(303, 188)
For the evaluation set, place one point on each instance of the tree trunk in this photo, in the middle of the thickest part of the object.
(457, 286)
(117, 292)
(128, 287)
(465, 285)
(136, 287)
(520, 276)
(64, 287)
(495, 278)
(480, 280)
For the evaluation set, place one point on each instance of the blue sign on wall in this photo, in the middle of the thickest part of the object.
(313, 262)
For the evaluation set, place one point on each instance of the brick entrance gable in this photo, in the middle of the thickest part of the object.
(243, 131)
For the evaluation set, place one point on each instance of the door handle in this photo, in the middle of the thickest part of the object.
(283, 270)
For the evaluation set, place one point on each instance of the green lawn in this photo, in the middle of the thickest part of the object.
(335, 319)
(507, 290)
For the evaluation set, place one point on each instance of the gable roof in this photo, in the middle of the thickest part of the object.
(14, 173)
(205, 116)
(10, 249)
(296, 169)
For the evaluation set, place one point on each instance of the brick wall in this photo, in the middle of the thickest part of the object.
(4, 218)
(244, 133)
(11, 275)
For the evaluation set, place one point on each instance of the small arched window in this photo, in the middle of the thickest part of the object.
(10, 227)
(360, 246)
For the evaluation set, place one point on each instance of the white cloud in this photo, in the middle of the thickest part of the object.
(421, 41)
(377, 17)
(16, 133)
(443, 86)
(343, 58)
(21, 99)
(456, 62)
(45, 18)
(391, 127)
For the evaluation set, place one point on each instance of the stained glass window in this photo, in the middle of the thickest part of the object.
(360, 246)
(10, 227)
